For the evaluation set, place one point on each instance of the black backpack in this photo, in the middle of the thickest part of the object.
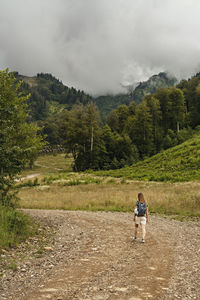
(141, 207)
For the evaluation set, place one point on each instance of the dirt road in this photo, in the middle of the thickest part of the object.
(93, 256)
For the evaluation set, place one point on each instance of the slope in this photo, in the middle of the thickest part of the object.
(49, 95)
(162, 80)
(106, 103)
(180, 163)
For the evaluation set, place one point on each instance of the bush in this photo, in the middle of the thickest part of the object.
(15, 227)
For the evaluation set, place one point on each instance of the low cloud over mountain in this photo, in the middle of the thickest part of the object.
(99, 46)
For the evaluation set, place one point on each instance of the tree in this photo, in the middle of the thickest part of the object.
(73, 132)
(50, 129)
(155, 111)
(118, 149)
(92, 120)
(79, 129)
(117, 118)
(177, 108)
(38, 106)
(19, 141)
(142, 130)
(191, 90)
(165, 105)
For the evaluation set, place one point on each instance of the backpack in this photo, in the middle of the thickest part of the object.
(141, 207)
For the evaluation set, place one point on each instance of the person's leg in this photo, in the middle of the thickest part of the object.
(136, 227)
(143, 231)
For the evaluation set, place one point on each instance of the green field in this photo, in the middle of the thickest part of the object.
(177, 164)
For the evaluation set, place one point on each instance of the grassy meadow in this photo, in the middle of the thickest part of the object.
(55, 186)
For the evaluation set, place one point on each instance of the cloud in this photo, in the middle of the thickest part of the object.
(99, 45)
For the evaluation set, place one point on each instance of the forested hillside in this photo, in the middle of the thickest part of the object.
(179, 163)
(107, 103)
(162, 80)
(49, 96)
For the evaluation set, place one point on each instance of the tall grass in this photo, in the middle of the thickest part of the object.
(62, 189)
(15, 227)
(163, 198)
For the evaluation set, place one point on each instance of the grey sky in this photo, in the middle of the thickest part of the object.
(98, 45)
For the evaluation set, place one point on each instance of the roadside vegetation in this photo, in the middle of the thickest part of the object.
(163, 198)
(87, 191)
(15, 227)
(19, 146)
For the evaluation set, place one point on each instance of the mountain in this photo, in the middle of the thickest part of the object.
(162, 80)
(107, 103)
(49, 95)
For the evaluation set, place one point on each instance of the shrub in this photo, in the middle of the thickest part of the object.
(14, 227)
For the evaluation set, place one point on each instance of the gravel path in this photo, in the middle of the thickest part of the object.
(92, 256)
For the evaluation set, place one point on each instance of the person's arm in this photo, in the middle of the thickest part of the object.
(134, 214)
(147, 214)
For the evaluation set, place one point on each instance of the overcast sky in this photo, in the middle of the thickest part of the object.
(99, 45)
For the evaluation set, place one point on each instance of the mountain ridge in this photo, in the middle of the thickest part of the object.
(49, 94)
(106, 103)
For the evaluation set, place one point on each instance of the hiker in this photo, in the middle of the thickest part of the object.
(140, 216)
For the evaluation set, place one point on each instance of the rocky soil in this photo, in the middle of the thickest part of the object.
(87, 255)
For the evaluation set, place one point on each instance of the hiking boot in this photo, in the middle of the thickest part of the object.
(134, 238)
(143, 241)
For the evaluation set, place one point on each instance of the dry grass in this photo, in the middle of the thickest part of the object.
(162, 197)
(47, 164)
(59, 188)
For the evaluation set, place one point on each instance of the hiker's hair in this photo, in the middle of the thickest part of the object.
(141, 197)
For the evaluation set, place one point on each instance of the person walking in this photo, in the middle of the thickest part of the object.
(141, 216)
